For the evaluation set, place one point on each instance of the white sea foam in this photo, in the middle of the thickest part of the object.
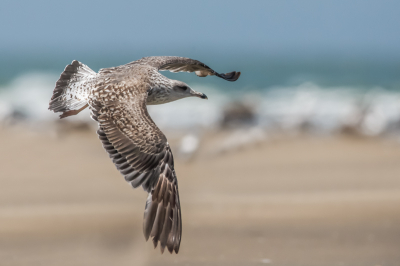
(28, 96)
(326, 110)
(370, 111)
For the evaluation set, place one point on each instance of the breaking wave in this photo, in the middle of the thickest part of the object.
(369, 111)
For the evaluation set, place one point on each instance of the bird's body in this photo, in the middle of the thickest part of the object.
(117, 98)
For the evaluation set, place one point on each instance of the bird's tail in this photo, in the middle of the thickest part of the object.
(72, 89)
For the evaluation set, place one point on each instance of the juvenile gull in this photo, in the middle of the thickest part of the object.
(117, 98)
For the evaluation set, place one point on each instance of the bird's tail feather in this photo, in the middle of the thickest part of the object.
(72, 89)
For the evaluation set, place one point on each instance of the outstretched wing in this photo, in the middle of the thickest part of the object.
(143, 156)
(182, 64)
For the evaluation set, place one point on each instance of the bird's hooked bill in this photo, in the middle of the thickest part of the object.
(200, 95)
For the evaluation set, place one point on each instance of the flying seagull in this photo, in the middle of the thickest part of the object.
(117, 98)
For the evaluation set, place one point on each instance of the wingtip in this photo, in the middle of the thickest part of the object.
(176, 249)
(231, 76)
(155, 243)
(237, 75)
(170, 249)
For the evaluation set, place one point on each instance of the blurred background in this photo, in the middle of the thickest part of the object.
(296, 163)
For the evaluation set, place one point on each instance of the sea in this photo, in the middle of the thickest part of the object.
(320, 94)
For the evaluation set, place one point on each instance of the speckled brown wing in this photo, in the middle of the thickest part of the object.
(183, 64)
(143, 156)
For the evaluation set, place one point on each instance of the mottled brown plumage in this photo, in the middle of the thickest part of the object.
(117, 98)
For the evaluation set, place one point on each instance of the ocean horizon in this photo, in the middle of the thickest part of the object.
(326, 94)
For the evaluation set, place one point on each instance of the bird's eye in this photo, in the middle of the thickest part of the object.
(183, 87)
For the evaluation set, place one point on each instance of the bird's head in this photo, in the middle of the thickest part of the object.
(182, 90)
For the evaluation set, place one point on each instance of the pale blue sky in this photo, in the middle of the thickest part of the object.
(360, 27)
(272, 42)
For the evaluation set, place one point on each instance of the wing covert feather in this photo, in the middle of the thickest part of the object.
(183, 64)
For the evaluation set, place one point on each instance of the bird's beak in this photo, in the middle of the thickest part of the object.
(200, 95)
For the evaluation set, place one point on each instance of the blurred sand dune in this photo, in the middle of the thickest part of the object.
(288, 201)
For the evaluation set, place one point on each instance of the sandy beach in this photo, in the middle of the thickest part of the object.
(285, 201)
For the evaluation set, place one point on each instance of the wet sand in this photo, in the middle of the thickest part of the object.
(287, 201)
